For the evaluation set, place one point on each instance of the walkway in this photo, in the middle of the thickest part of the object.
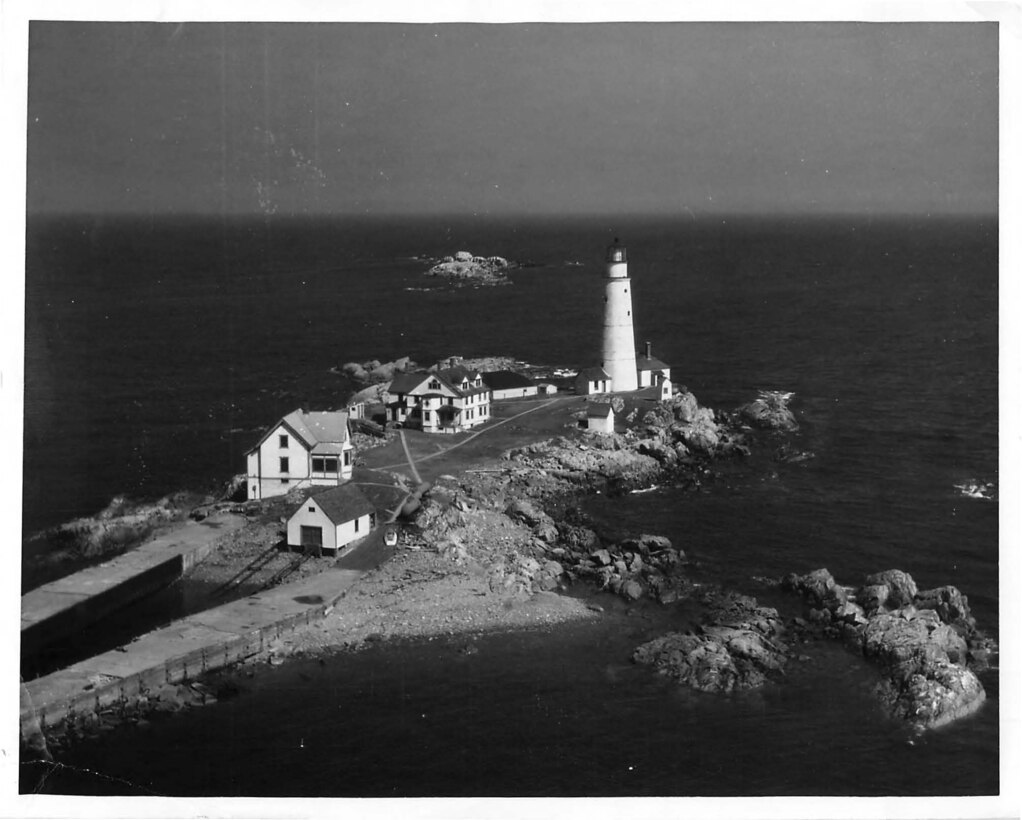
(60, 608)
(186, 648)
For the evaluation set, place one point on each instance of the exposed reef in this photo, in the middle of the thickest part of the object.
(465, 268)
(737, 646)
(770, 411)
(925, 642)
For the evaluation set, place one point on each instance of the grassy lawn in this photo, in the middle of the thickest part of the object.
(436, 454)
(515, 423)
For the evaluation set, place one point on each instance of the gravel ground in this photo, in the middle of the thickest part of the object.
(420, 594)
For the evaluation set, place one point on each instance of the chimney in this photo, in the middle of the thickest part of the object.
(649, 350)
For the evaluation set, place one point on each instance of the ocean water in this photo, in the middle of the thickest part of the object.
(155, 354)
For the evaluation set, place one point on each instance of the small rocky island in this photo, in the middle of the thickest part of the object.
(465, 268)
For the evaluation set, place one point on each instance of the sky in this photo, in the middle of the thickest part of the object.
(543, 118)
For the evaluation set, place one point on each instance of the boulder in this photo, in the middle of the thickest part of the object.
(950, 605)
(632, 590)
(769, 411)
(901, 588)
(818, 588)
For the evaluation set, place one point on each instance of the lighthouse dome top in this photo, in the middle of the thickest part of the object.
(617, 252)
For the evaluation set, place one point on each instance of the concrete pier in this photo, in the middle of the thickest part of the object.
(56, 610)
(199, 643)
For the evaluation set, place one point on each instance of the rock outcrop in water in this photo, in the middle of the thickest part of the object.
(738, 646)
(770, 411)
(925, 642)
(465, 268)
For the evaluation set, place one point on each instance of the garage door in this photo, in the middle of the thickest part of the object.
(312, 538)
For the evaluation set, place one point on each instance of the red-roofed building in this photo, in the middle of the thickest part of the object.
(447, 401)
(300, 450)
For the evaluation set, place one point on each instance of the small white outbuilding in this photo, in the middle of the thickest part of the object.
(330, 520)
(600, 418)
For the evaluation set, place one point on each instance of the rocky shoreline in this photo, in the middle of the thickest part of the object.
(492, 548)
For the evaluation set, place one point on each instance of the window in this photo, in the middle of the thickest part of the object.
(283, 442)
(347, 458)
(285, 481)
(434, 384)
(285, 464)
(324, 465)
(312, 509)
(356, 525)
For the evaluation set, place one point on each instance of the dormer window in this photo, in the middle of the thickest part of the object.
(434, 384)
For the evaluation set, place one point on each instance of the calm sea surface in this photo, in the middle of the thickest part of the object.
(156, 353)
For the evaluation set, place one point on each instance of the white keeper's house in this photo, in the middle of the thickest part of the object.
(301, 450)
(330, 520)
(447, 401)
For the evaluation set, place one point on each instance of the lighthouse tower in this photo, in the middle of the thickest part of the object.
(618, 335)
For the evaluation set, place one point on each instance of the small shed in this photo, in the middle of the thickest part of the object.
(330, 520)
(592, 380)
(547, 389)
(600, 418)
(666, 390)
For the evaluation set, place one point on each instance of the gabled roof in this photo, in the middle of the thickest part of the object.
(600, 410)
(651, 363)
(454, 376)
(506, 380)
(313, 428)
(341, 504)
(594, 374)
(451, 378)
(407, 382)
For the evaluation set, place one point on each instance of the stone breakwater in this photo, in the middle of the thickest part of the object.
(925, 642)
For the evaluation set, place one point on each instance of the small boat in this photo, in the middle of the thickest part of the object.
(390, 537)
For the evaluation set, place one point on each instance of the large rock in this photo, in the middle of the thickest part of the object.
(770, 411)
(950, 605)
(819, 589)
(901, 588)
(738, 647)
(922, 641)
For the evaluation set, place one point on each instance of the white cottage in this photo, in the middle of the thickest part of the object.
(447, 401)
(301, 450)
(330, 519)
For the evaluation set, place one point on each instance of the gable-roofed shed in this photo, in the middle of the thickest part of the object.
(330, 520)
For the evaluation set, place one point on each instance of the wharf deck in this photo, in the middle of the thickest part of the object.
(61, 608)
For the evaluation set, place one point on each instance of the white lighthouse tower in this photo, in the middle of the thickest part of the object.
(618, 334)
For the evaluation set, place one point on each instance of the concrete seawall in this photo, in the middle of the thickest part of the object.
(199, 643)
(58, 609)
